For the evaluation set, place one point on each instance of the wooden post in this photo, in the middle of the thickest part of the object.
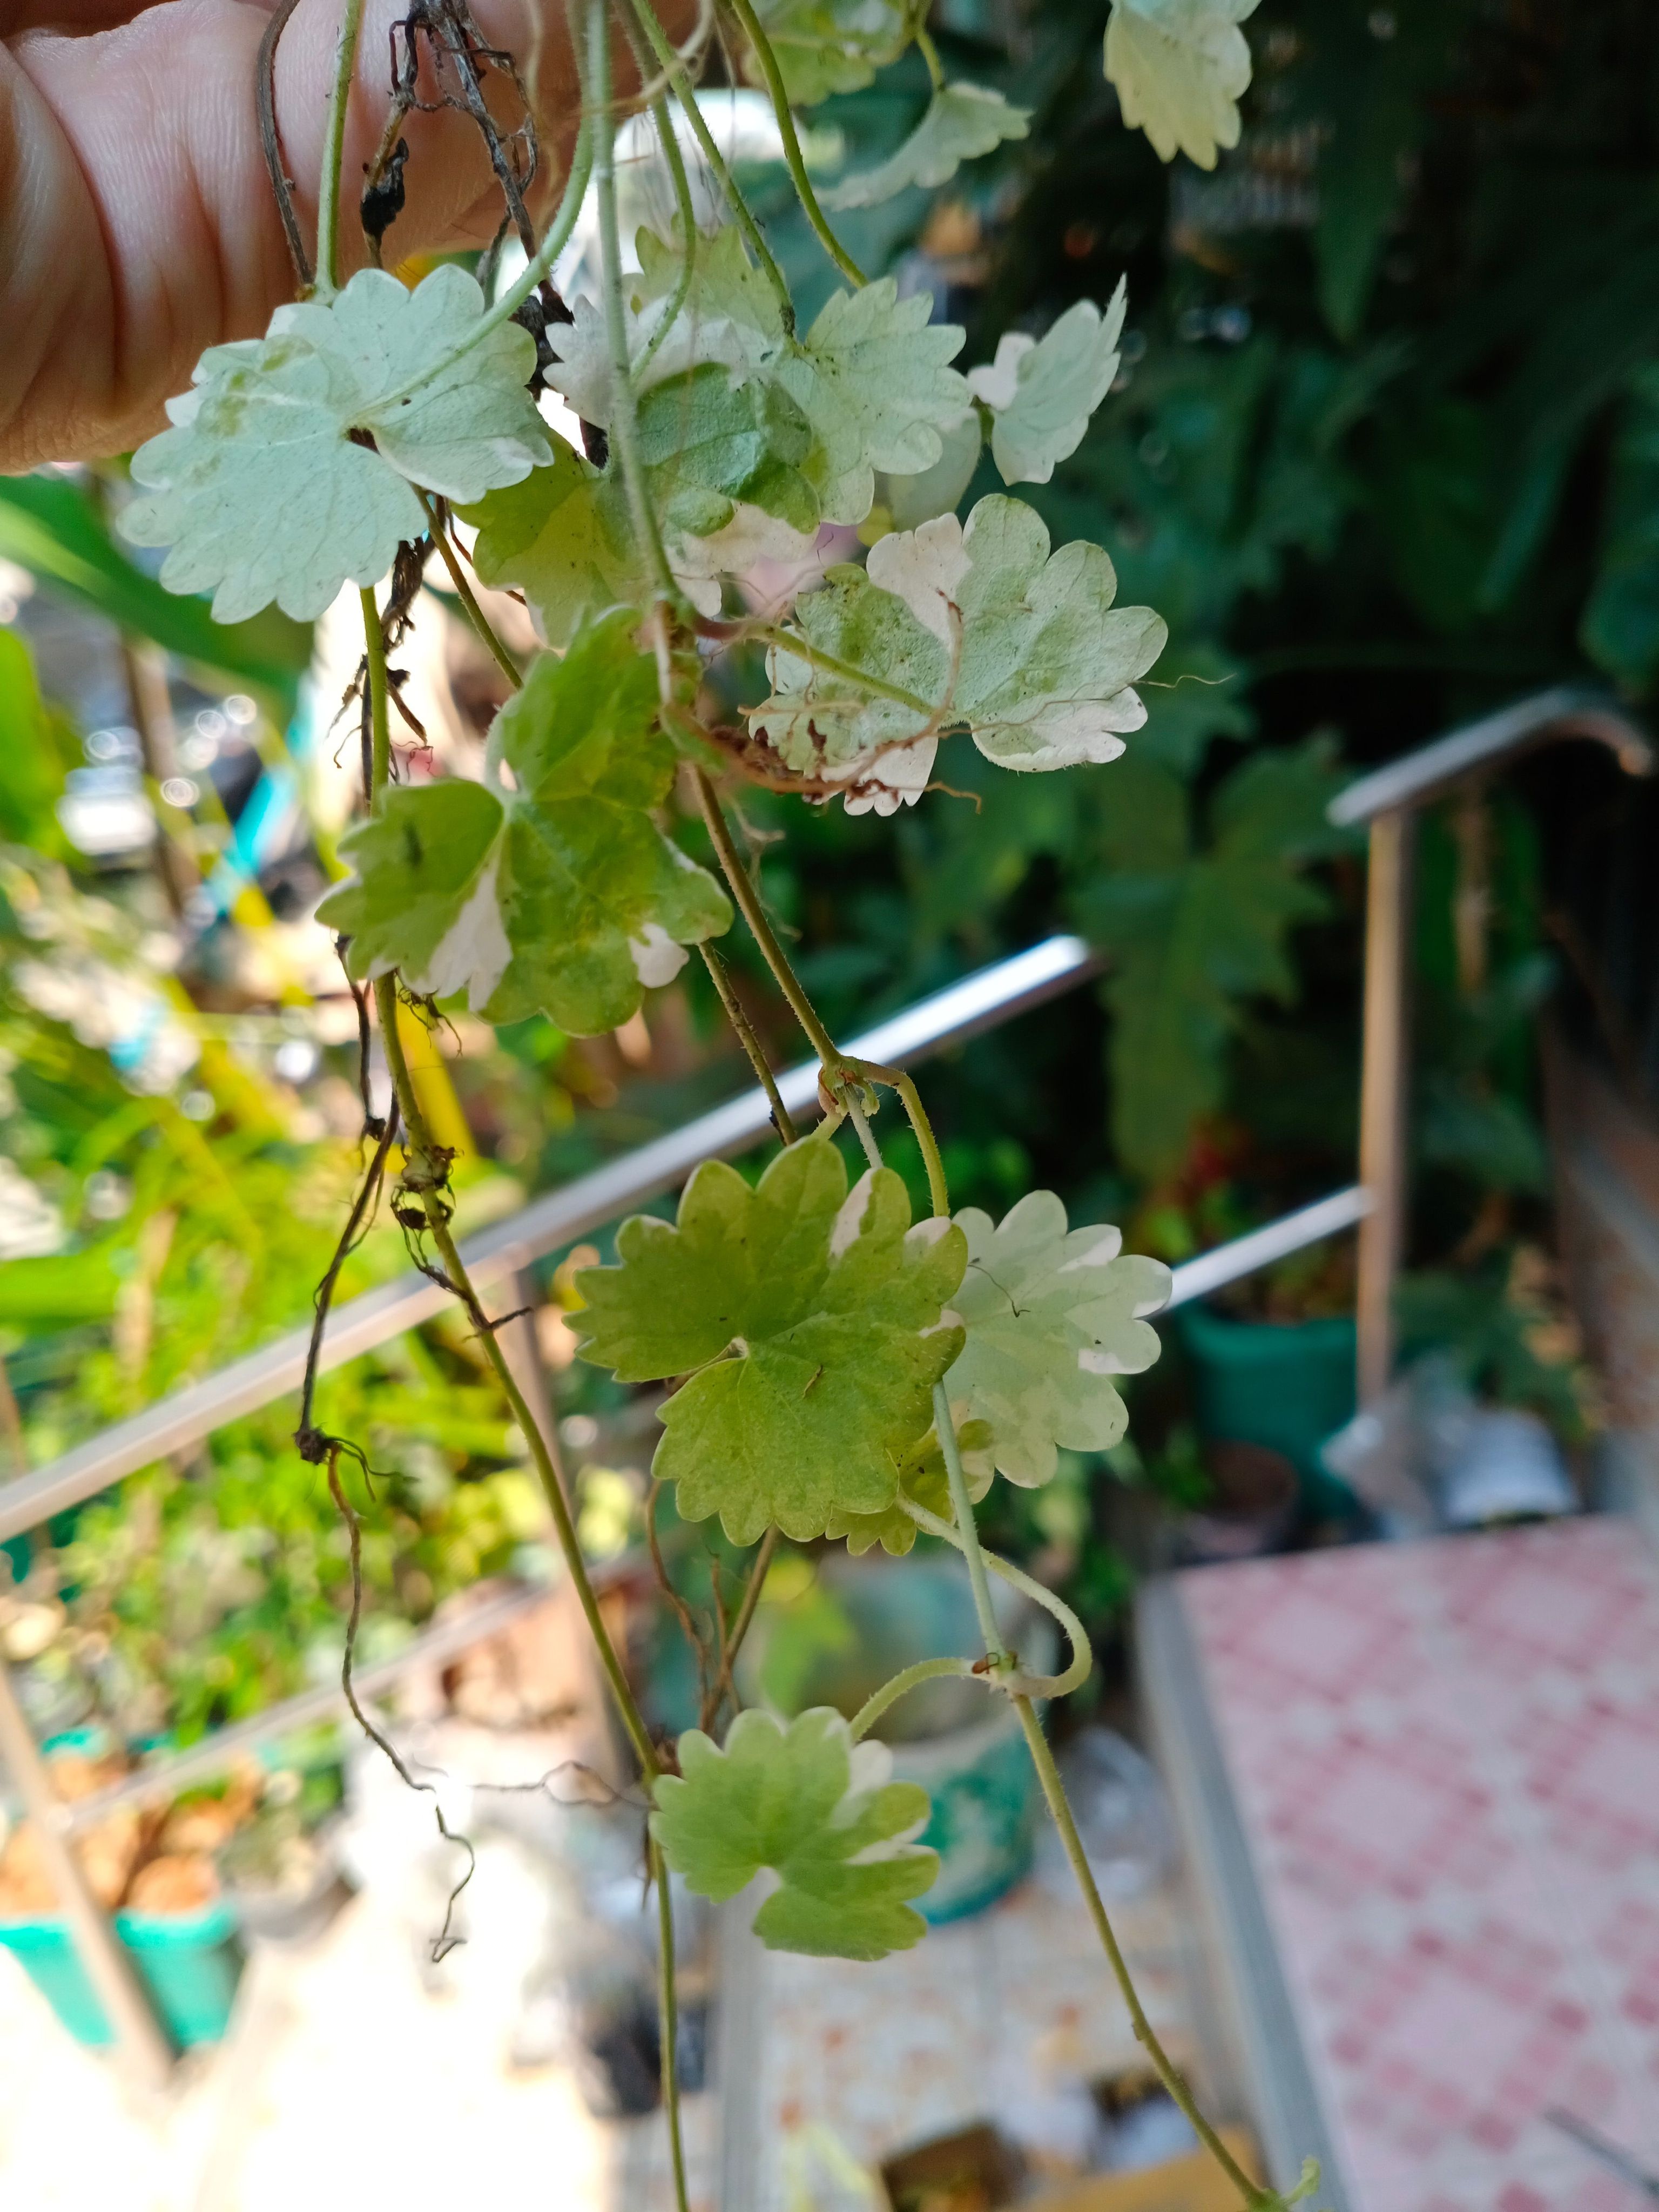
(1385, 1079)
(143, 2051)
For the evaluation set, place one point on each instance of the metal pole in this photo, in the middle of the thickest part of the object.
(143, 2051)
(1384, 1083)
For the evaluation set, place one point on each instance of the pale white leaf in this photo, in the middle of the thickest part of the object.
(261, 490)
(982, 628)
(1058, 383)
(1179, 67)
(962, 122)
(1051, 1315)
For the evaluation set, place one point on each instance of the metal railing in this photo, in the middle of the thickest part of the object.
(1387, 800)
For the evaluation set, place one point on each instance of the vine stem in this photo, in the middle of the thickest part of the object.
(1168, 2073)
(925, 1670)
(962, 1505)
(749, 904)
(894, 1079)
(625, 422)
(1035, 1686)
(688, 214)
(674, 69)
(464, 591)
(385, 1001)
(929, 53)
(964, 1534)
(751, 1043)
(668, 2020)
(539, 266)
(732, 1638)
(792, 153)
(801, 648)
(420, 1138)
(379, 753)
(328, 195)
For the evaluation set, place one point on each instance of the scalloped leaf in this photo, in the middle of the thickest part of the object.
(962, 122)
(813, 1321)
(985, 628)
(560, 896)
(817, 1810)
(563, 537)
(1180, 67)
(1051, 1315)
(829, 45)
(922, 1476)
(260, 489)
(869, 387)
(1042, 390)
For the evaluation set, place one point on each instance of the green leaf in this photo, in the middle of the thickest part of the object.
(923, 1476)
(829, 45)
(1051, 1315)
(813, 1321)
(34, 762)
(732, 407)
(1042, 392)
(817, 1809)
(560, 896)
(962, 122)
(874, 379)
(260, 489)
(49, 527)
(1195, 931)
(983, 627)
(563, 537)
(1179, 67)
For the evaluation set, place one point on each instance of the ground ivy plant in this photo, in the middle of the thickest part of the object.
(841, 1372)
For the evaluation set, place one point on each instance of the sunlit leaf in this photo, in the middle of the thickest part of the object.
(1179, 67)
(922, 1477)
(812, 1320)
(962, 122)
(1051, 1316)
(817, 1809)
(261, 490)
(982, 627)
(564, 538)
(559, 896)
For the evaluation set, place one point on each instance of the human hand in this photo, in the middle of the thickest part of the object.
(137, 215)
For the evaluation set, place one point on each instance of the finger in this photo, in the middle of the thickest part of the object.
(141, 221)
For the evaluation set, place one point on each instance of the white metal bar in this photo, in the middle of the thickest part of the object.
(1566, 712)
(1231, 1263)
(978, 1002)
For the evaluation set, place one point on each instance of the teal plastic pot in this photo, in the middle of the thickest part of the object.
(191, 1962)
(1288, 1385)
(965, 1748)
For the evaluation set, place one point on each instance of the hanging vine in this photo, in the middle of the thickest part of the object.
(839, 1364)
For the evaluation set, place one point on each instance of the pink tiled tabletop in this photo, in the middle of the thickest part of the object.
(1445, 1757)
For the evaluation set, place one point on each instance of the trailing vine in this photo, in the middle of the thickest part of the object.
(841, 1372)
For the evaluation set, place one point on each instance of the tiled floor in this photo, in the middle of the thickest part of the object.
(1447, 1760)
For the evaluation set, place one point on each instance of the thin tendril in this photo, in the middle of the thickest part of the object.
(792, 153)
(328, 196)
(674, 69)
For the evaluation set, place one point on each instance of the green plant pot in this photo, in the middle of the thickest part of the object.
(190, 1961)
(1288, 1385)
